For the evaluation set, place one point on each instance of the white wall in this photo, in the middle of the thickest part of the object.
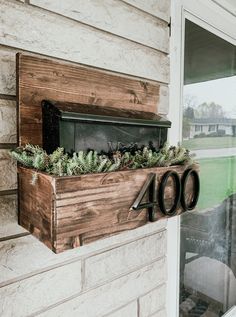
(124, 275)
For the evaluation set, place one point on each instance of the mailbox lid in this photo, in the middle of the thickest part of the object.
(76, 111)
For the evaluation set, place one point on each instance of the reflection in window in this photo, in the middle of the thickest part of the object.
(208, 234)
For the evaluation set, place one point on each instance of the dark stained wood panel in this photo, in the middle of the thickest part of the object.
(40, 78)
(67, 212)
(36, 206)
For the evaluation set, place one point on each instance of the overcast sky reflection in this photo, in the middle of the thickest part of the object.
(221, 91)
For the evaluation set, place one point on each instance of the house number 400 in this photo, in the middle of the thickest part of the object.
(157, 197)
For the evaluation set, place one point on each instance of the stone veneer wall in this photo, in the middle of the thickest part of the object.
(124, 275)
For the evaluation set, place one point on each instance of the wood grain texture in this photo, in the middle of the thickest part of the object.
(87, 207)
(29, 28)
(9, 216)
(36, 206)
(49, 79)
(7, 121)
(158, 8)
(115, 17)
(8, 77)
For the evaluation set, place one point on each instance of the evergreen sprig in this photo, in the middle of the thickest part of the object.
(60, 163)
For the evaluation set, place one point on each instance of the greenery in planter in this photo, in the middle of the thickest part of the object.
(61, 164)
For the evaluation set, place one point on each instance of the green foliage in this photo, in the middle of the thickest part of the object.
(61, 164)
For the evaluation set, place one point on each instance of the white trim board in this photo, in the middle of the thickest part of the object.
(231, 312)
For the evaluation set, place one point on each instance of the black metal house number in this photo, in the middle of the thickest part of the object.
(156, 196)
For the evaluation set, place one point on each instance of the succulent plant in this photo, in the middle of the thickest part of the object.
(122, 158)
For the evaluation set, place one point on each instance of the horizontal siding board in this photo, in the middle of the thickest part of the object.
(158, 8)
(160, 313)
(113, 295)
(26, 255)
(105, 266)
(37, 292)
(130, 310)
(8, 216)
(115, 17)
(8, 179)
(8, 71)
(152, 302)
(7, 121)
(31, 29)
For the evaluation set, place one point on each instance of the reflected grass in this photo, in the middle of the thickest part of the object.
(217, 179)
(210, 143)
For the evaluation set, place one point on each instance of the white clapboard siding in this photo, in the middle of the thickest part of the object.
(228, 5)
(34, 29)
(26, 255)
(8, 217)
(8, 179)
(158, 8)
(7, 121)
(37, 292)
(152, 302)
(115, 17)
(8, 78)
(164, 100)
(160, 313)
(7, 71)
(113, 295)
(110, 264)
(130, 310)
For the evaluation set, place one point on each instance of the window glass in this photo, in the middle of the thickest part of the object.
(208, 234)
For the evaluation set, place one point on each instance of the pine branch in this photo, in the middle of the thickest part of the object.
(59, 163)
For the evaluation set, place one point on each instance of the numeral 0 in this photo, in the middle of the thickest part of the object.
(158, 197)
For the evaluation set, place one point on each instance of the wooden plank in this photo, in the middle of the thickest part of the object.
(7, 121)
(8, 179)
(8, 77)
(87, 207)
(79, 43)
(158, 8)
(46, 79)
(114, 17)
(85, 211)
(16, 255)
(9, 216)
(36, 206)
(26, 297)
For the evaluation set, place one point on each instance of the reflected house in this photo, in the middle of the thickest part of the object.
(201, 127)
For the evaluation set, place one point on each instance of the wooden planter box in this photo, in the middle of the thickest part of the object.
(67, 212)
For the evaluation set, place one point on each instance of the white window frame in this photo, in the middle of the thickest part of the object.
(209, 15)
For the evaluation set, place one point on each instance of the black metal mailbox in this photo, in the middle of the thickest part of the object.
(81, 127)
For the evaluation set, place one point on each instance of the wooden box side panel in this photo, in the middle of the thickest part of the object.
(36, 205)
(40, 78)
(91, 207)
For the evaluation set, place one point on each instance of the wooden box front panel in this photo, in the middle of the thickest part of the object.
(67, 212)
(37, 205)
